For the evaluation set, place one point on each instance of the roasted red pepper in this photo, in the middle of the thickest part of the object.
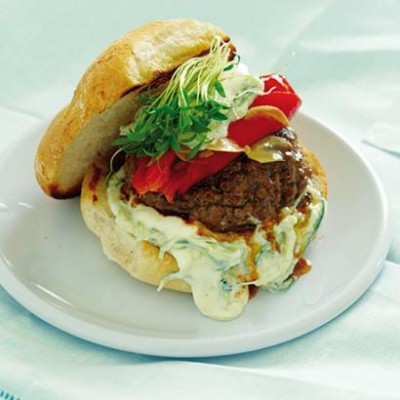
(151, 176)
(278, 93)
(171, 175)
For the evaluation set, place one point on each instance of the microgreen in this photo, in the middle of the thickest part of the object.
(181, 114)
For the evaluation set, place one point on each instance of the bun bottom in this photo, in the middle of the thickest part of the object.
(140, 258)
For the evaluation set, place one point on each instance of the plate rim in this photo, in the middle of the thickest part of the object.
(209, 346)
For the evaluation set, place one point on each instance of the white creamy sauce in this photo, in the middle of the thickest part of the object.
(240, 91)
(208, 266)
(275, 267)
(213, 268)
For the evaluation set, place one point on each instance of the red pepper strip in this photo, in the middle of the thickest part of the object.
(152, 176)
(278, 93)
(276, 83)
(170, 175)
(185, 174)
(245, 132)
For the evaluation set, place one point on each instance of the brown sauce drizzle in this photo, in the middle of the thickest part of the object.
(253, 289)
(302, 267)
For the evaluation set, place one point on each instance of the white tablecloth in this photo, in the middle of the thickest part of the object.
(343, 57)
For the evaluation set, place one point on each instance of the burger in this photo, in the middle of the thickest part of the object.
(187, 167)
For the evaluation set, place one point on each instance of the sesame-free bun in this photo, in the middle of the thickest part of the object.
(107, 97)
(73, 155)
(140, 258)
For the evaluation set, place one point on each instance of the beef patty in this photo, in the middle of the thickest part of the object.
(244, 190)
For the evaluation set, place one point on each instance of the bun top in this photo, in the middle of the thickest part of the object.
(106, 98)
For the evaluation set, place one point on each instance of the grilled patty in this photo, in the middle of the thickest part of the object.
(245, 190)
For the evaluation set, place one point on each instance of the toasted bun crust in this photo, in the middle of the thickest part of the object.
(107, 97)
(141, 259)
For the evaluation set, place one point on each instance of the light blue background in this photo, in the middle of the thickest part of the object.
(343, 57)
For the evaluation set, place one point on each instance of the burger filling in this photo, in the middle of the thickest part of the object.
(215, 177)
(242, 193)
(220, 267)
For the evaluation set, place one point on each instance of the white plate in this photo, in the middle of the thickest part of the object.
(54, 267)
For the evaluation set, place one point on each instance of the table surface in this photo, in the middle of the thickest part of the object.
(343, 57)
